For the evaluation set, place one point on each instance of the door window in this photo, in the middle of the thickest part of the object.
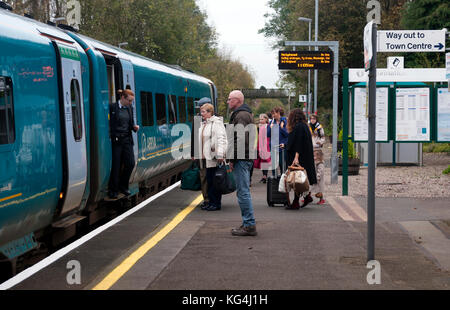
(7, 128)
(75, 102)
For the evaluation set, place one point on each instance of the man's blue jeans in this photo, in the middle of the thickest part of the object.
(241, 170)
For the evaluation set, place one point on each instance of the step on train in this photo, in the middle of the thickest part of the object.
(56, 86)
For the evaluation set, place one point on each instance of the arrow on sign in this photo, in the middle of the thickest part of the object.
(439, 46)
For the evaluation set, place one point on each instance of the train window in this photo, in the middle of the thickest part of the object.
(160, 101)
(190, 106)
(147, 108)
(182, 109)
(75, 102)
(172, 110)
(7, 128)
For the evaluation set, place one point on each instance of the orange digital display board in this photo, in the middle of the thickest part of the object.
(301, 60)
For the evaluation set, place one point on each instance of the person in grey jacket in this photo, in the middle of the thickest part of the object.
(243, 163)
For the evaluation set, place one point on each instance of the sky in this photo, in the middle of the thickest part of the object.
(237, 23)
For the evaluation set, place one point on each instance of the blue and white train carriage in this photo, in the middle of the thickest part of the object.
(55, 150)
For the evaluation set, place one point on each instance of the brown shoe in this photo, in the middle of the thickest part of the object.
(244, 231)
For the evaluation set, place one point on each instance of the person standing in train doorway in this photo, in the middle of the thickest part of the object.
(121, 125)
(242, 114)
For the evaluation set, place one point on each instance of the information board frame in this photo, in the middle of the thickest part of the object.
(436, 122)
(430, 113)
(388, 113)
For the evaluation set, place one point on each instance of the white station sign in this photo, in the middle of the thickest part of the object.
(411, 41)
(400, 75)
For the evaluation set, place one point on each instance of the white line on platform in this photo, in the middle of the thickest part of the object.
(57, 255)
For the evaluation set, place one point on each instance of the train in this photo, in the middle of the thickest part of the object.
(56, 87)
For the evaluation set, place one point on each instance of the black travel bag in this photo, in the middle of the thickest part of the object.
(274, 197)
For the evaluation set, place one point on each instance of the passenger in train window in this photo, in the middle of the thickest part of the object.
(213, 148)
(242, 114)
(201, 162)
(300, 152)
(121, 126)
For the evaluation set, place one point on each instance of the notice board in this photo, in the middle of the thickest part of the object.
(412, 115)
(360, 120)
(443, 115)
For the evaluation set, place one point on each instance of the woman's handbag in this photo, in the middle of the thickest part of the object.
(297, 179)
(224, 179)
(190, 178)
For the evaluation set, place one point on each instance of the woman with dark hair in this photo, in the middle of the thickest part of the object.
(300, 151)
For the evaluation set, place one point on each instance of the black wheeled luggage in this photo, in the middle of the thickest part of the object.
(274, 197)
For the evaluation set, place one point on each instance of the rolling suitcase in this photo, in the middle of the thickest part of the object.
(274, 197)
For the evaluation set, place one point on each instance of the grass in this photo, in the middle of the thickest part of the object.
(436, 147)
(446, 171)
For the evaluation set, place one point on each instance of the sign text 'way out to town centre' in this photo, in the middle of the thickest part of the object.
(411, 41)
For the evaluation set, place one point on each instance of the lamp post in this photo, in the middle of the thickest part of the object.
(316, 33)
(308, 20)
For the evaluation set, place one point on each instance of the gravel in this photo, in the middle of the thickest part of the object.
(426, 181)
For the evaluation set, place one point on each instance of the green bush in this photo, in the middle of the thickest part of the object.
(351, 147)
(436, 147)
(446, 171)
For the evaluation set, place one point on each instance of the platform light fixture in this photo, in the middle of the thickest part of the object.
(59, 19)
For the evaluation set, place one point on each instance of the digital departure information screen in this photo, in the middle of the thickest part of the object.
(302, 60)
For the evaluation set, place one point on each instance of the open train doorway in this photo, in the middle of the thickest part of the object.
(121, 76)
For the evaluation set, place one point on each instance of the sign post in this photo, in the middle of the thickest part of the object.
(371, 65)
(334, 46)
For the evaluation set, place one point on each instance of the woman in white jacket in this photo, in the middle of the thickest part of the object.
(213, 147)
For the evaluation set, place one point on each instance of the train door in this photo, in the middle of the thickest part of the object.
(73, 128)
(128, 83)
(214, 96)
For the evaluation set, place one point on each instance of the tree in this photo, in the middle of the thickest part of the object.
(341, 21)
(170, 31)
(426, 14)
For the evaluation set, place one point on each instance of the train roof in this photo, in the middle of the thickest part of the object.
(24, 28)
(140, 60)
(29, 29)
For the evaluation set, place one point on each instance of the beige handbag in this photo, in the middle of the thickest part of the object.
(297, 179)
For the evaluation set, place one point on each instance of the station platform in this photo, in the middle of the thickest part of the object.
(171, 244)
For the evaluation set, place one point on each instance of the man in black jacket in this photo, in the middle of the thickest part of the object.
(121, 125)
(243, 163)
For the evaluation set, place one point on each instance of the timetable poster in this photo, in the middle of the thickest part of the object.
(443, 114)
(412, 114)
(361, 122)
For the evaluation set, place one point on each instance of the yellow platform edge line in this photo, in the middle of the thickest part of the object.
(129, 262)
